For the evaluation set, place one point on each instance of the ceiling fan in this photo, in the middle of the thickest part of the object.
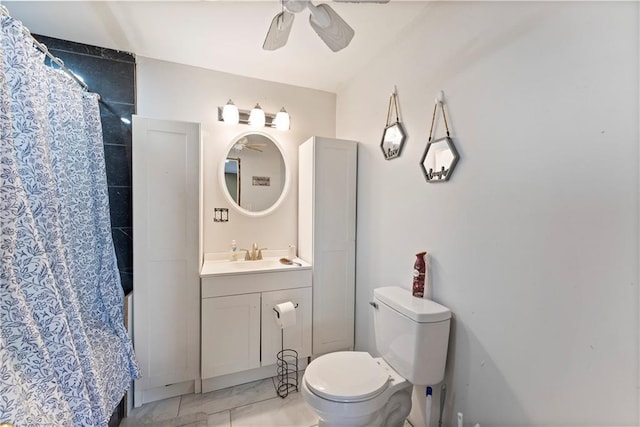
(244, 143)
(329, 26)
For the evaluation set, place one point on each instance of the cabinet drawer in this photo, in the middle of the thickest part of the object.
(258, 282)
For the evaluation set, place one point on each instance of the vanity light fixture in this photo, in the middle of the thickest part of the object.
(257, 117)
(282, 120)
(230, 113)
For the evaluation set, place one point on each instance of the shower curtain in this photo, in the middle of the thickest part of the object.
(65, 356)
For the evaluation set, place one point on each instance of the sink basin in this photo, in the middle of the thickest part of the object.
(215, 268)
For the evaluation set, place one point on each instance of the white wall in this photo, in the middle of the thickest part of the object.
(534, 241)
(179, 92)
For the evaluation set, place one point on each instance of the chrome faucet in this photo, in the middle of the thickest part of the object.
(254, 254)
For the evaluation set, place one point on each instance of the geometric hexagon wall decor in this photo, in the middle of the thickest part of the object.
(394, 135)
(439, 159)
(393, 139)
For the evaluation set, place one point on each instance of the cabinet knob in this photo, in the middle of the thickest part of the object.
(373, 304)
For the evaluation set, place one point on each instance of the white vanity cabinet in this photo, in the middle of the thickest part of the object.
(240, 335)
(230, 334)
(327, 237)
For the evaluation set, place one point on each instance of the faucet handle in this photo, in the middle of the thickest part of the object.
(260, 253)
(247, 255)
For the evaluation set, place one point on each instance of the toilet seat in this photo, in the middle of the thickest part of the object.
(346, 376)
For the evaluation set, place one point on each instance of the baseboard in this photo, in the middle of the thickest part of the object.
(159, 393)
(230, 380)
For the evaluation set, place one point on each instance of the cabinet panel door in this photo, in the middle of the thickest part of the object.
(296, 337)
(230, 334)
(165, 252)
(334, 245)
(334, 300)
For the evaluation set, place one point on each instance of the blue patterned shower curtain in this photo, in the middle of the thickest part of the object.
(65, 356)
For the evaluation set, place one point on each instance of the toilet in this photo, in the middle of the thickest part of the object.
(352, 388)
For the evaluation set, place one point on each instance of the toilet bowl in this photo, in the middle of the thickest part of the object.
(350, 388)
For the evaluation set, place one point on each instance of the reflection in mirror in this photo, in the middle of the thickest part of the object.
(439, 160)
(232, 178)
(254, 173)
(392, 140)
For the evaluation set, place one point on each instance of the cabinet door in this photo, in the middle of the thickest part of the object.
(165, 252)
(334, 245)
(296, 337)
(230, 334)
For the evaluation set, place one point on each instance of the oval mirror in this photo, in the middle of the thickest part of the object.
(253, 174)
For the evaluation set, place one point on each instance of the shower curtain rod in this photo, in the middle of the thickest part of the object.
(41, 47)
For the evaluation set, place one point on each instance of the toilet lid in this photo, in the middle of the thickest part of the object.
(346, 376)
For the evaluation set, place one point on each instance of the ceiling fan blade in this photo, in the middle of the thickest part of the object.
(279, 30)
(338, 34)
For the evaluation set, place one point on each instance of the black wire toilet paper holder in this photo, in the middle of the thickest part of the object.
(286, 366)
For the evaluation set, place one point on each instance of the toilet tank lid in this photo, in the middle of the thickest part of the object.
(418, 309)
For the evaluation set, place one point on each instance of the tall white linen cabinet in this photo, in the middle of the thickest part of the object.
(166, 215)
(327, 236)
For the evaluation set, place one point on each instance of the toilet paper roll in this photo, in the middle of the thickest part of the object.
(286, 314)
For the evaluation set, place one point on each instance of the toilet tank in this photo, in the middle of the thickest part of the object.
(412, 334)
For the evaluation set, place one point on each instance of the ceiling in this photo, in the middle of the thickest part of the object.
(225, 35)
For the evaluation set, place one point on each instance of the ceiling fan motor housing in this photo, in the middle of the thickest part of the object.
(295, 6)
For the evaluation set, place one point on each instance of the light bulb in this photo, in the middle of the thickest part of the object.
(230, 113)
(256, 118)
(282, 120)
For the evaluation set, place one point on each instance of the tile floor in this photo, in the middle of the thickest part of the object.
(254, 404)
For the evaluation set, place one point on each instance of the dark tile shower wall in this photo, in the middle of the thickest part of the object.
(112, 74)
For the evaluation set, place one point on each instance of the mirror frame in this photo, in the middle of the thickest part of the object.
(223, 185)
(454, 161)
(400, 145)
